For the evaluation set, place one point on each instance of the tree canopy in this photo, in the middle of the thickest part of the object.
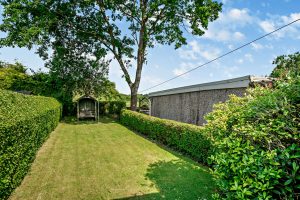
(287, 65)
(66, 79)
(126, 28)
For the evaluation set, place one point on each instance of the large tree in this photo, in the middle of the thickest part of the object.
(126, 28)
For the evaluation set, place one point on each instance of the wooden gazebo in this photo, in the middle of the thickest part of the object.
(87, 108)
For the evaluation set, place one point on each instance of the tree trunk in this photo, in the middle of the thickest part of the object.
(140, 58)
(133, 98)
(140, 61)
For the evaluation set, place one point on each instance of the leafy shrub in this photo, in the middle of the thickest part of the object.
(25, 122)
(287, 66)
(256, 142)
(111, 107)
(184, 137)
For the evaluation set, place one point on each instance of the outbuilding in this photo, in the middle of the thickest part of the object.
(189, 104)
(87, 108)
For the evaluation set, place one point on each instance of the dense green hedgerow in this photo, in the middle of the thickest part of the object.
(257, 143)
(25, 122)
(111, 107)
(184, 137)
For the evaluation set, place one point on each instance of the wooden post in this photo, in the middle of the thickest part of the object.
(150, 106)
(98, 110)
(95, 110)
(78, 110)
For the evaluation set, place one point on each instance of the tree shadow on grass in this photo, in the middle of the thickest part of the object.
(178, 179)
(73, 120)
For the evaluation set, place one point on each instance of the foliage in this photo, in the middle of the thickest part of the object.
(62, 82)
(287, 66)
(257, 143)
(73, 72)
(15, 77)
(111, 107)
(184, 137)
(25, 122)
(143, 101)
(109, 92)
(12, 76)
(95, 26)
(75, 69)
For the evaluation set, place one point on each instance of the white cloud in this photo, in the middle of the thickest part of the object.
(191, 53)
(184, 67)
(179, 71)
(267, 26)
(230, 71)
(240, 61)
(238, 36)
(256, 46)
(224, 29)
(269, 46)
(277, 21)
(292, 17)
(194, 51)
(195, 46)
(210, 53)
(156, 66)
(187, 54)
(114, 67)
(244, 59)
(150, 80)
(239, 15)
(249, 57)
(230, 47)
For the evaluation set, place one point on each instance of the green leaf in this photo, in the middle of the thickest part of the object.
(288, 182)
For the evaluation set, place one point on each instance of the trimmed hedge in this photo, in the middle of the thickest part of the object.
(25, 122)
(256, 139)
(111, 107)
(184, 137)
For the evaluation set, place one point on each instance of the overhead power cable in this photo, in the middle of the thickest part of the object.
(221, 56)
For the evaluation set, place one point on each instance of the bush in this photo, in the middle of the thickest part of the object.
(256, 142)
(184, 137)
(25, 122)
(111, 107)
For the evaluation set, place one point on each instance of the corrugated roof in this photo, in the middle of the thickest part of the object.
(241, 82)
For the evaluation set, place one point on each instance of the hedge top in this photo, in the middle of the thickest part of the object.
(16, 106)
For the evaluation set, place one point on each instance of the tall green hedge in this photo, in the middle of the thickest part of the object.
(25, 122)
(111, 107)
(184, 137)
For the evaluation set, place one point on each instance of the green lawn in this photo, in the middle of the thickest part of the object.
(107, 161)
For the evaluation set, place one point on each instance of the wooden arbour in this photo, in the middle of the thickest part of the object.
(87, 108)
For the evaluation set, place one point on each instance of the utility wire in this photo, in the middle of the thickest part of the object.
(223, 55)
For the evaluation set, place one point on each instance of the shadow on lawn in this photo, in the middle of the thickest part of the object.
(74, 121)
(178, 179)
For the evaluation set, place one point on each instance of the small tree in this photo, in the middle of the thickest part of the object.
(126, 28)
(13, 76)
(287, 65)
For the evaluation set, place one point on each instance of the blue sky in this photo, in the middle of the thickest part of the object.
(240, 22)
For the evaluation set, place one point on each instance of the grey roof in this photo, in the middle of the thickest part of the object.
(86, 97)
(241, 82)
